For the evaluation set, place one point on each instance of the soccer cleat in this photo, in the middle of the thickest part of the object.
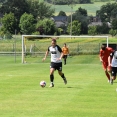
(51, 85)
(111, 81)
(65, 80)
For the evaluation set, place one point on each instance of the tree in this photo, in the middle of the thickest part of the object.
(80, 15)
(62, 13)
(76, 28)
(15, 6)
(46, 27)
(103, 29)
(9, 23)
(40, 10)
(82, 11)
(2, 1)
(113, 32)
(64, 2)
(27, 23)
(92, 30)
(114, 24)
(107, 12)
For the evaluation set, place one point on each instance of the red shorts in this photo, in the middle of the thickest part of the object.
(105, 65)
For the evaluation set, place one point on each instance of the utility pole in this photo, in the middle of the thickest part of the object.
(71, 19)
(15, 45)
(71, 3)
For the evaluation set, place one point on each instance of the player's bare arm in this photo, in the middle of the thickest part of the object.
(101, 59)
(60, 56)
(109, 61)
(45, 56)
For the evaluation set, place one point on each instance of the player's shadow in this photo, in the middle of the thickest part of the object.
(114, 82)
(74, 87)
(69, 87)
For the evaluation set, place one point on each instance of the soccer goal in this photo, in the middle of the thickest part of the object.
(35, 46)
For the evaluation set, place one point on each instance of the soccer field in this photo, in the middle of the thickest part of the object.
(87, 94)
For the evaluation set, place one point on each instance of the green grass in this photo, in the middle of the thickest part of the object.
(8, 45)
(91, 8)
(87, 93)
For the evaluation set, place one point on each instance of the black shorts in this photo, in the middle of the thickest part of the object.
(114, 71)
(57, 66)
(65, 56)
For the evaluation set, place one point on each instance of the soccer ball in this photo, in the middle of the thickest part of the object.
(42, 83)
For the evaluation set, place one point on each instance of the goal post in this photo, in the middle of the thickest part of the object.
(29, 37)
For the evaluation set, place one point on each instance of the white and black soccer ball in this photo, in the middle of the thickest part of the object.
(42, 83)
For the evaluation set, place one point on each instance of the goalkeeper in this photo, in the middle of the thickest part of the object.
(65, 53)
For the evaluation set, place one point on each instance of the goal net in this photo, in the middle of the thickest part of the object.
(35, 46)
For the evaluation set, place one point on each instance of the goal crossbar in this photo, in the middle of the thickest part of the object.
(51, 36)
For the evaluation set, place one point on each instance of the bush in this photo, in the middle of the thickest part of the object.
(8, 35)
(113, 32)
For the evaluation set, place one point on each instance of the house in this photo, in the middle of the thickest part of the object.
(95, 24)
(60, 22)
(94, 21)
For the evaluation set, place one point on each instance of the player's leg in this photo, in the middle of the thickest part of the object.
(105, 66)
(52, 69)
(113, 74)
(59, 68)
(65, 59)
(63, 76)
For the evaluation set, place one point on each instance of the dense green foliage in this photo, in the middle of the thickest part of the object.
(62, 13)
(92, 30)
(38, 10)
(108, 12)
(27, 23)
(80, 15)
(64, 2)
(41, 10)
(46, 27)
(114, 24)
(9, 26)
(76, 28)
(15, 7)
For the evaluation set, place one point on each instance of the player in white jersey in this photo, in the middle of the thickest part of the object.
(56, 62)
(113, 63)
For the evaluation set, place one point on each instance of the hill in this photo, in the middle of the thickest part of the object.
(91, 8)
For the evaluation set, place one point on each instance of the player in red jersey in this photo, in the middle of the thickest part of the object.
(104, 54)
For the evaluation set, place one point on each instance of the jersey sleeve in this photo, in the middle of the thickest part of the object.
(111, 50)
(48, 49)
(111, 54)
(59, 49)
